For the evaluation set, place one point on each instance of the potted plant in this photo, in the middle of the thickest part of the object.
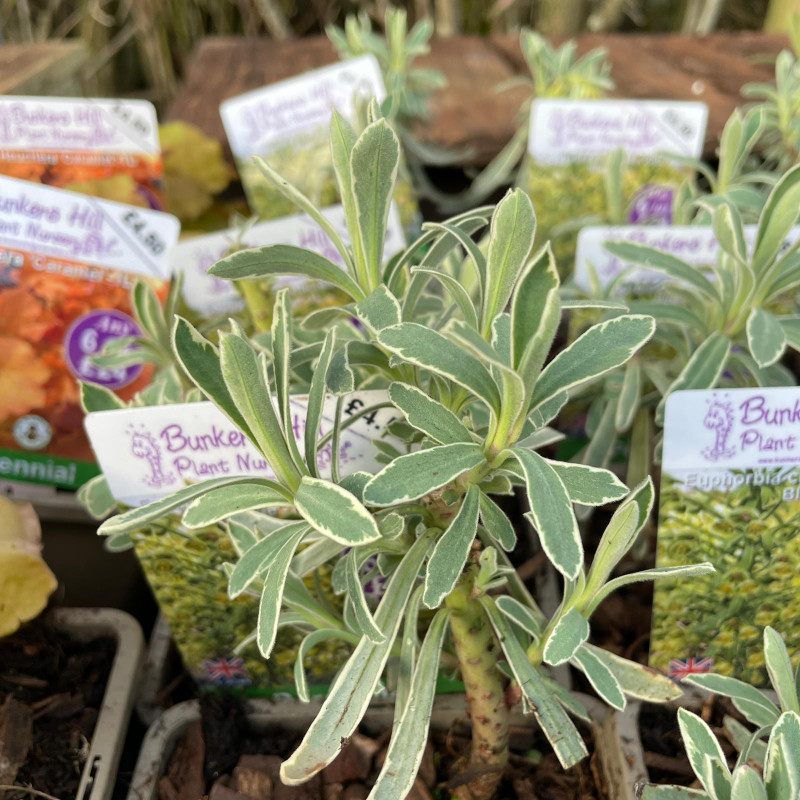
(473, 403)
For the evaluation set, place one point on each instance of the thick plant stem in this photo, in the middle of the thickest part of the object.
(477, 650)
(258, 302)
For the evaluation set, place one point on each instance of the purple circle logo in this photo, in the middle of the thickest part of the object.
(88, 335)
(651, 204)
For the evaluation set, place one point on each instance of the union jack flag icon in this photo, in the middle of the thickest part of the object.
(679, 669)
(226, 671)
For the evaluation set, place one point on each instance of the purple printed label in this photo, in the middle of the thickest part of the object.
(651, 204)
(87, 337)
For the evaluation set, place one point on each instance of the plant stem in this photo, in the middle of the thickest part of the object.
(258, 302)
(476, 649)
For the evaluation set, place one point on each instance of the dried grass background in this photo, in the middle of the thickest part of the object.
(141, 46)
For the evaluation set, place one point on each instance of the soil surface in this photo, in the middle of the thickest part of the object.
(223, 757)
(51, 690)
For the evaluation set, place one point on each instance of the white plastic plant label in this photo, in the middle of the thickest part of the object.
(147, 453)
(78, 124)
(730, 494)
(212, 296)
(46, 221)
(694, 244)
(257, 121)
(563, 131)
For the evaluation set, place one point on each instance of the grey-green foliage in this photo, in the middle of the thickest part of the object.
(466, 375)
(732, 324)
(737, 176)
(774, 746)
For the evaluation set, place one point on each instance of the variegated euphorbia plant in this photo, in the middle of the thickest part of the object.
(764, 770)
(466, 376)
(732, 321)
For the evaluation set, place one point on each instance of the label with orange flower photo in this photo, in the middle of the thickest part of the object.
(100, 147)
(67, 265)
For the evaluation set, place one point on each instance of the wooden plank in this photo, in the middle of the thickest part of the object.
(470, 111)
(50, 68)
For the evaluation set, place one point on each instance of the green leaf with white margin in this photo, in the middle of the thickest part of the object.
(343, 139)
(257, 558)
(779, 667)
(201, 361)
(589, 486)
(269, 608)
(379, 310)
(497, 523)
(569, 633)
(559, 729)
(765, 337)
(777, 218)
(511, 234)
(355, 684)
(119, 543)
(520, 615)
(653, 792)
(451, 551)
(304, 204)
(456, 291)
(749, 701)
(335, 513)
(309, 642)
(551, 513)
(410, 736)
(136, 518)
(430, 350)
(148, 313)
(226, 501)
(428, 416)
(316, 402)
(96, 497)
(355, 591)
(637, 680)
(242, 537)
(281, 356)
(414, 475)
(284, 259)
(600, 349)
(603, 680)
(374, 161)
(747, 785)
(629, 395)
(246, 381)
(98, 398)
(646, 256)
(716, 777)
(409, 646)
(340, 378)
(702, 370)
(781, 768)
(699, 742)
(535, 315)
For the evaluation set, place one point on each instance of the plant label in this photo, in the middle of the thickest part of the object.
(104, 148)
(729, 495)
(597, 269)
(147, 453)
(67, 265)
(212, 296)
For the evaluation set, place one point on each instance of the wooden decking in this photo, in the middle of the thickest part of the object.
(470, 110)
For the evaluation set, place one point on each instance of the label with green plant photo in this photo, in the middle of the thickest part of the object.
(287, 124)
(606, 162)
(730, 494)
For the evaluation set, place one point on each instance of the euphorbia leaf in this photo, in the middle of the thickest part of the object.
(335, 513)
(587, 485)
(551, 513)
(225, 501)
(603, 347)
(428, 416)
(601, 677)
(451, 551)
(379, 310)
(414, 475)
(570, 632)
(355, 684)
(765, 337)
(497, 523)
